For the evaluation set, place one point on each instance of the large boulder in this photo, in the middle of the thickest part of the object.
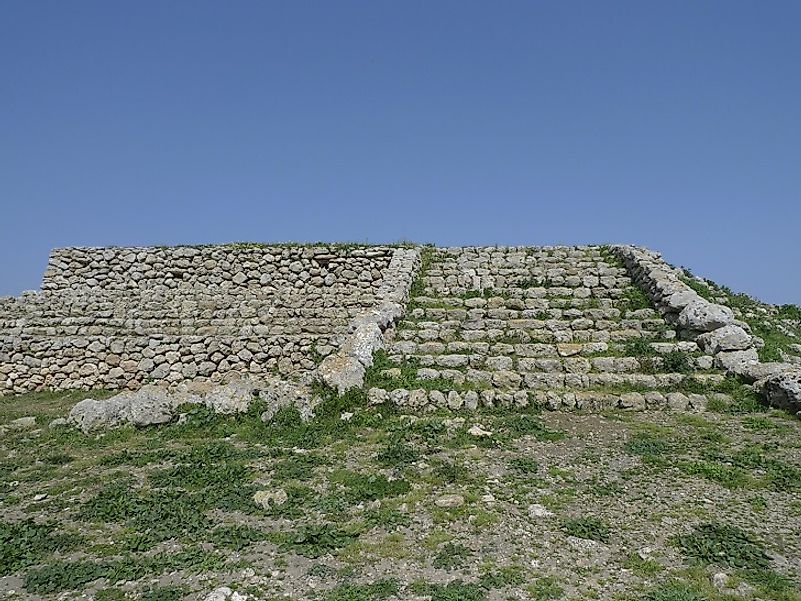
(145, 407)
(727, 338)
(341, 372)
(677, 301)
(363, 342)
(736, 361)
(783, 390)
(703, 316)
(232, 397)
(761, 371)
(94, 414)
(150, 406)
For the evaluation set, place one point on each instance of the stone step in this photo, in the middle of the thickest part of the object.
(407, 347)
(469, 291)
(509, 379)
(540, 336)
(532, 324)
(605, 364)
(537, 310)
(585, 400)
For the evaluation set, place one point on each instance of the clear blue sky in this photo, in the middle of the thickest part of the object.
(671, 124)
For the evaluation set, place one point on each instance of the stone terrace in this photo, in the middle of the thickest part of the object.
(559, 326)
(120, 317)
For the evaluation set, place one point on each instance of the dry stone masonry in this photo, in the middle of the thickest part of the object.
(123, 317)
(553, 326)
(713, 327)
(585, 327)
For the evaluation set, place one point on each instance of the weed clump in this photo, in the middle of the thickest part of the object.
(723, 544)
(587, 527)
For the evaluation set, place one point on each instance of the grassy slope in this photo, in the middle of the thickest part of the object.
(641, 504)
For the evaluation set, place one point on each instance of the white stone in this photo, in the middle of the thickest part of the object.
(703, 316)
(449, 501)
(727, 338)
(269, 499)
(535, 510)
(479, 431)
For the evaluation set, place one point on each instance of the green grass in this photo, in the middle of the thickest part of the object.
(675, 591)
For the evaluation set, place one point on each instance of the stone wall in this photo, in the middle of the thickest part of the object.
(713, 327)
(122, 317)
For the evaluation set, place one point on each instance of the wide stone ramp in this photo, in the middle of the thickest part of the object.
(558, 326)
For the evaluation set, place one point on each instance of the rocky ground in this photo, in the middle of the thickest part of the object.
(368, 504)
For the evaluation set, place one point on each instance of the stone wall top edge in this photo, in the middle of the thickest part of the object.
(331, 246)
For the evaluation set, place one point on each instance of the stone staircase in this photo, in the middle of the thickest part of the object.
(562, 327)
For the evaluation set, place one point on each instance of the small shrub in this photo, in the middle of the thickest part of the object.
(524, 465)
(721, 544)
(451, 556)
(23, 544)
(545, 589)
(368, 487)
(527, 425)
(587, 527)
(316, 540)
(725, 475)
(677, 362)
(633, 299)
(381, 589)
(297, 467)
(639, 347)
(502, 576)
(386, 517)
(648, 446)
(791, 312)
(397, 454)
(164, 593)
(451, 472)
(62, 576)
(457, 591)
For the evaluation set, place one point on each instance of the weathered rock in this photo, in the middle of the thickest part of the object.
(783, 390)
(759, 371)
(632, 400)
(341, 372)
(677, 401)
(226, 594)
(363, 342)
(270, 499)
(703, 316)
(539, 511)
(449, 501)
(93, 414)
(479, 431)
(680, 299)
(736, 361)
(22, 423)
(727, 338)
(233, 397)
(150, 406)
